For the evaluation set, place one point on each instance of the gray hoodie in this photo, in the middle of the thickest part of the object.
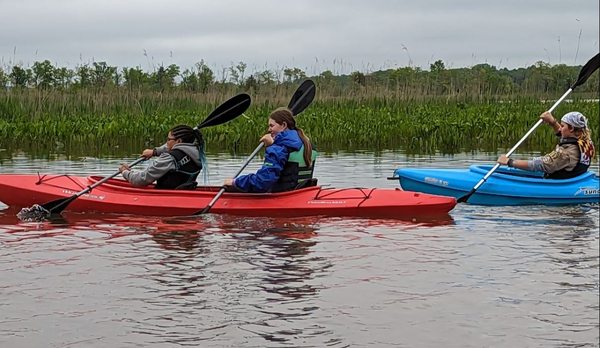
(161, 164)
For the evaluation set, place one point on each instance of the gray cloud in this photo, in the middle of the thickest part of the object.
(339, 35)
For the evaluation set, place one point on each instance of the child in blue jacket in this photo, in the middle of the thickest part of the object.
(278, 172)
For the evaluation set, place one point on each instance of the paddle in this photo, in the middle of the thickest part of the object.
(301, 99)
(58, 205)
(225, 112)
(587, 70)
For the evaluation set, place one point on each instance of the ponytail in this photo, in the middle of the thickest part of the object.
(586, 134)
(307, 147)
(202, 154)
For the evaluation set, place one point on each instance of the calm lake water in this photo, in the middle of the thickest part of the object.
(485, 277)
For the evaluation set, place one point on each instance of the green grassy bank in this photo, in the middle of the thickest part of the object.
(119, 124)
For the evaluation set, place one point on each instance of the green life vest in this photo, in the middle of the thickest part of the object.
(295, 173)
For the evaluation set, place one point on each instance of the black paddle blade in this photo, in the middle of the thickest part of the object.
(303, 96)
(39, 212)
(466, 197)
(227, 111)
(58, 205)
(587, 70)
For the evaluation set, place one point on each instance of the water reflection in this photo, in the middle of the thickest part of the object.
(483, 276)
(549, 261)
(571, 256)
(283, 256)
(185, 240)
(109, 225)
(286, 277)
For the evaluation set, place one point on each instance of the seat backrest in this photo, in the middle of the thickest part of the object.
(187, 186)
(307, 183)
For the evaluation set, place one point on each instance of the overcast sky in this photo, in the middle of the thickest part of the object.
(313, 35)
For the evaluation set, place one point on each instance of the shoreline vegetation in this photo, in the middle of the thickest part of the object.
(99, 110)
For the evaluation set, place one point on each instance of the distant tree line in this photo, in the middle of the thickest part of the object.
(478, 81)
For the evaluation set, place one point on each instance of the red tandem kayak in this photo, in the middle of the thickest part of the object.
(117, 196)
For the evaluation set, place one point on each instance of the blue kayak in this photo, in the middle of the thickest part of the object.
(506, 186)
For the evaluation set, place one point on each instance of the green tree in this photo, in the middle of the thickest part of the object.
(266, 78)
(134, 78)
(44, 74)
(84, 76)
(327, 76)
(437, 66)
(251, 83)
(359, 78)
(3, 79)
(20, 77)
(102, 75)
(164, 78)
(293, 74)
(561, 77)
(63, 77)
(206, 77)
(326, 79)
(237, 73)
(538, 78)
(189, 80)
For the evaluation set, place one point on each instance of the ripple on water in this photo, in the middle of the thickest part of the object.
(487, 276)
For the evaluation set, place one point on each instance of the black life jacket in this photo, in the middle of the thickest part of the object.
(295, 174)
(183, 176)
(586, 152)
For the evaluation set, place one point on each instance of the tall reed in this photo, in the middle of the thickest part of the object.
(123, 122)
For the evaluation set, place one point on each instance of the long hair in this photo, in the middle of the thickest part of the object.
(284, 114)
(583, 133)
(193, 136)
(584, 137)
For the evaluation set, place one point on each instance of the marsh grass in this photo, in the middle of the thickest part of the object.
(120, 123)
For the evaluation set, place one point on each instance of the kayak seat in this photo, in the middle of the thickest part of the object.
(307, 183)
(187, 186)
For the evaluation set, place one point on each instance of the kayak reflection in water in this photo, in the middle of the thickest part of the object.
(571, 157)
(289, 159)
(177, 164)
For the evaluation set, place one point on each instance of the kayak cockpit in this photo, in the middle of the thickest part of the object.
(515, 174)
(124, 186)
